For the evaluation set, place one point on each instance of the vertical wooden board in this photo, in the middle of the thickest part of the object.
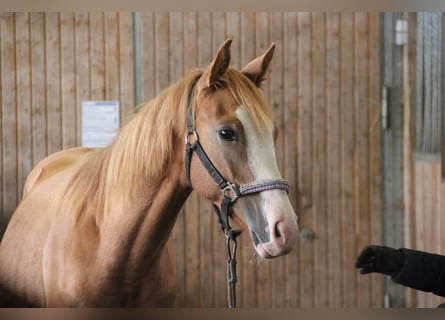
(375, 155)
(38, 87)
(219, 34)
(97, 55)
(161, 24)
(277, 90)
(53, 113)
(177, 45)
(305, 201)
(24, 128)
(333, 160)
(210, 258)
(420, 201)
(434, 222)
(362, 163)
(9, 113)
(70, 122)
(233, 31)
(111, 27)
(428, 205)
(347, 136)
(410, 67)
(290, 172)
(264, 36)
(192, 54)
(126, 67)
(248, 33)
(424, 197)
(147, 48)
(82, 63)
(206, 48)
(420, 198)
(319, 159)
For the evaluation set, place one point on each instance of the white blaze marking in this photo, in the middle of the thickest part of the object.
(274, 206)
(260, 148)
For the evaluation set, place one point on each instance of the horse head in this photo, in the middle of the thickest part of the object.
(234, 126)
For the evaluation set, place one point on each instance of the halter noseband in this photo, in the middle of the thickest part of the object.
(230, 191)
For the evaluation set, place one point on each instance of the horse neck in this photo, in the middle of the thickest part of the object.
(141, 208)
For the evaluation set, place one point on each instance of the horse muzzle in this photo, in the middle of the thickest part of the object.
(282, 240)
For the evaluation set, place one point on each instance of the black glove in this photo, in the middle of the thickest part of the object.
(380, 259)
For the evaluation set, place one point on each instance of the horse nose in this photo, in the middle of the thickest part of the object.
(283, 237)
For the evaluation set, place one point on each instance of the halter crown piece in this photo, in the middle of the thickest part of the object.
(230, 193)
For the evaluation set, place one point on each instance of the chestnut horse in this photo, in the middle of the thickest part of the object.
(93, 225)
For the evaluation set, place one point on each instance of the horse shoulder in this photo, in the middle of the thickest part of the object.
(53, 164)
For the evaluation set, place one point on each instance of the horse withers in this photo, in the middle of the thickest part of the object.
(93, 225)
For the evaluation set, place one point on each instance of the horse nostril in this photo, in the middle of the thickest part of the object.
(277, 230)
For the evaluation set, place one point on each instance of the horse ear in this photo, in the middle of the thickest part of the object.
(217, 67)
(257, 68)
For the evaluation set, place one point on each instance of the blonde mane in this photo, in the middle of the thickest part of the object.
(144, 146)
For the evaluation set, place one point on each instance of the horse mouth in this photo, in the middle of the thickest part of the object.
(270, 250)
(259, 246)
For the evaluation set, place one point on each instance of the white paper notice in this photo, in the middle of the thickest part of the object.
(100, 122)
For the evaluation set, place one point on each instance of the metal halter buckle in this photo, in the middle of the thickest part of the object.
(230, 192)
(195, 136)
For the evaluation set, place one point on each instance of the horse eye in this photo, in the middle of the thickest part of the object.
(228, 135)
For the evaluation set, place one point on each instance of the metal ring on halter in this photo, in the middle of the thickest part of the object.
(230, 190)
(195, 135)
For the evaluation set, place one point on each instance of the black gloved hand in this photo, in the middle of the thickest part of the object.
(380, 259)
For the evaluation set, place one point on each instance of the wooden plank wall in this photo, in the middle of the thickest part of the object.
(49, 63)
(324, 92)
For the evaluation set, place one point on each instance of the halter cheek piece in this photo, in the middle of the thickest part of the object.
(230, 192)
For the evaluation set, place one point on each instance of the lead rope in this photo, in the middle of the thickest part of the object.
(231, 243)
(231, 271)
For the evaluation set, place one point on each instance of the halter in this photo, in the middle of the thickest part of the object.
(230, 193)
